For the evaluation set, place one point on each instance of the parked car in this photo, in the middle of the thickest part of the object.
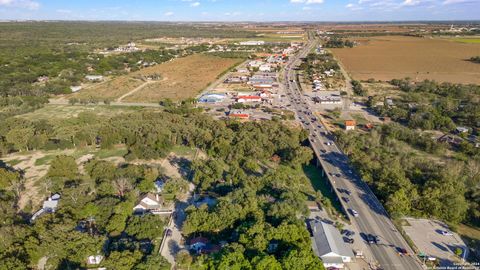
(353, 212)
(350, 233)
(169, 232)
(348, 240)
(345, 199)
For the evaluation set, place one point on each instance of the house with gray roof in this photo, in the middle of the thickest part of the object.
(328, 244)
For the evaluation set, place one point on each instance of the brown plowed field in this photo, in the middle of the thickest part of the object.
(395, 57)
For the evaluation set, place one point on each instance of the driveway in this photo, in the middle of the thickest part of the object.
(174, 243)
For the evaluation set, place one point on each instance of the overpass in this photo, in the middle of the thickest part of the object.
(372, 217)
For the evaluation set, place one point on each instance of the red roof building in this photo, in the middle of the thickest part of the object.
(350, 124)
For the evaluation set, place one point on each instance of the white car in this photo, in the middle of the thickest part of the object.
(446, 233)
(329, 143)
(354, 213)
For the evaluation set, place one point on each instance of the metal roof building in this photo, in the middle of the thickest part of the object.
(328, 244)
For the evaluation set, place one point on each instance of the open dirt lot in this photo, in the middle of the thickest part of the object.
(111, 89)
(426, 235)
(183, 78)
(395, 57)
(180, 78)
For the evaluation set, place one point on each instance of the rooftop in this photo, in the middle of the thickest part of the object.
(327, 239)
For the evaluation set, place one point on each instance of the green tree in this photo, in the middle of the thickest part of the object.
(125, 260)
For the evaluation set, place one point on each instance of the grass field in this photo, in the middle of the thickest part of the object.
(50, 112)
(394, 57)
(182, 78)
(319, 183)
(112, 89)
(467, 40)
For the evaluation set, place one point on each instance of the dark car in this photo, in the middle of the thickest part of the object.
(350, 233)
(345, 199)
(348, 240)
(401, 251)
(371, 239)
(348, 192)
(169, 232)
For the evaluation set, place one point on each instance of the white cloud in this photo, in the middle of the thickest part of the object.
(63, 11)
(195, 4)
(168, 14)
(28, 4)
(453, 2)
(411, 2)
(308, 2)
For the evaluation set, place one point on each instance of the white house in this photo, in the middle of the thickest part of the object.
(94, 78)
(75, 88)
(94, 260)
(49, 206)
(328, 244)
(151, 203)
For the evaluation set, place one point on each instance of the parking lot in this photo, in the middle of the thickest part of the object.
(427, 236)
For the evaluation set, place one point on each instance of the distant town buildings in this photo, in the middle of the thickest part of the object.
(252, 43)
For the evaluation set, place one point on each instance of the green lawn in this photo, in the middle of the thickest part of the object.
(320, 183)
(44, 160)
(181, 150)
(106, 153)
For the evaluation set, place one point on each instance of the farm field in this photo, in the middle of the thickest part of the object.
(182, 78)
(395, 57)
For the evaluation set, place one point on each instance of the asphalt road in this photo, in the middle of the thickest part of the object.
(372, 217)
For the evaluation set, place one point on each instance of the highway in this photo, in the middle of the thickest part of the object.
(372, 217)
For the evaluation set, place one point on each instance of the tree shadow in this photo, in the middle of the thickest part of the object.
(173, 247)
(440, 246)
(183, 164)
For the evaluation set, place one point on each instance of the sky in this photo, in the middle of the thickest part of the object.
(240, 10)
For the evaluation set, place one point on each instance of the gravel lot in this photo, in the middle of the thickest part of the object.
(426, 234)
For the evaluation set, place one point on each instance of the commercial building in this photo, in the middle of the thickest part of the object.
(328, 244)
(252, 43)
(212, 98)
(244, 99)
